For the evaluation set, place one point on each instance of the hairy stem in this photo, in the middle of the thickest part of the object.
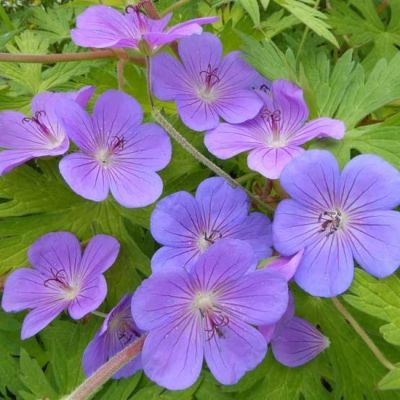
(203, 159)
(364, 336)
(148, 83)
(68, 57)
(92, 384)
(120, 74)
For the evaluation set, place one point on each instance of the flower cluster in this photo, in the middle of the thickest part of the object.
(215, 293)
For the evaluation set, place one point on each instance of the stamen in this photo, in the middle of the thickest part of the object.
(330, 221)
(212, 237)
(210, 76)
(36, 120)
(272, 119)
(117, 144)
(59, 279)
(216, 320)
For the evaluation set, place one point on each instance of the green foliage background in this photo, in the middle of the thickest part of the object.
(345, 55)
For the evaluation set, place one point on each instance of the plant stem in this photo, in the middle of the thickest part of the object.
(201, 158)
(99, 314)
(364, 336)
(68, 57)
(174, 6)
(148, 83)
(92, 384)
(120, 74)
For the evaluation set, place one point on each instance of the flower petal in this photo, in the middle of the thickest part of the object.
(223, 263)
(227, 140)
(99, 255)
(197, 114)
(319, 128)
(20, 133)
(132, 187)
(327, 267)
(288, 99)
(116, 114)
(369, 183)
(259, 298)
(172, 354)
(85, 176)
(223, 207)
(91, 294)
(294, 227)
(239, 349)
(102, 26)
(149, 148)
(24, 288)
(95, 354)
(286, 266)
(313, 179)
(56, 251)
(10, 159)
(256, 230)
(167, 257)
(39, 318)
(168, 78)
(236, 106)
(298, 343)
(197, 52)
(162, 298)
(176, 220)
(374, 238)
(77, 124)
(270, 161)
(81, 96)
(192, 26)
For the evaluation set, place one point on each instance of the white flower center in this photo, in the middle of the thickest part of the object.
(104, 157)
(71, 292)
(277, 141)
(203, 301)
(207, 94)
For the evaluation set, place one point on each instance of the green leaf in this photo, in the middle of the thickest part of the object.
(377, 139)
(391, 381)
(379, 298)
(251, 6)
(311, 17)
(34, 379)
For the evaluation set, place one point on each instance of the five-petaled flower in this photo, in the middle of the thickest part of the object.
(209, 312)
(206, 86)
(102, 27)
(61, 278)
(336, 217)
(275, 136)
(187, 226)
(40, 135)
(117, 331)
(117, 154)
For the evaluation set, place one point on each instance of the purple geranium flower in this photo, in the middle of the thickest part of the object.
(293, 340)
(336, 216)
(206, 86)
(102, 26)
(61, 279)
(187, 226)
(275, 136)
(208, 312)
(117, 331)
(40, 135)
(117, 154)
